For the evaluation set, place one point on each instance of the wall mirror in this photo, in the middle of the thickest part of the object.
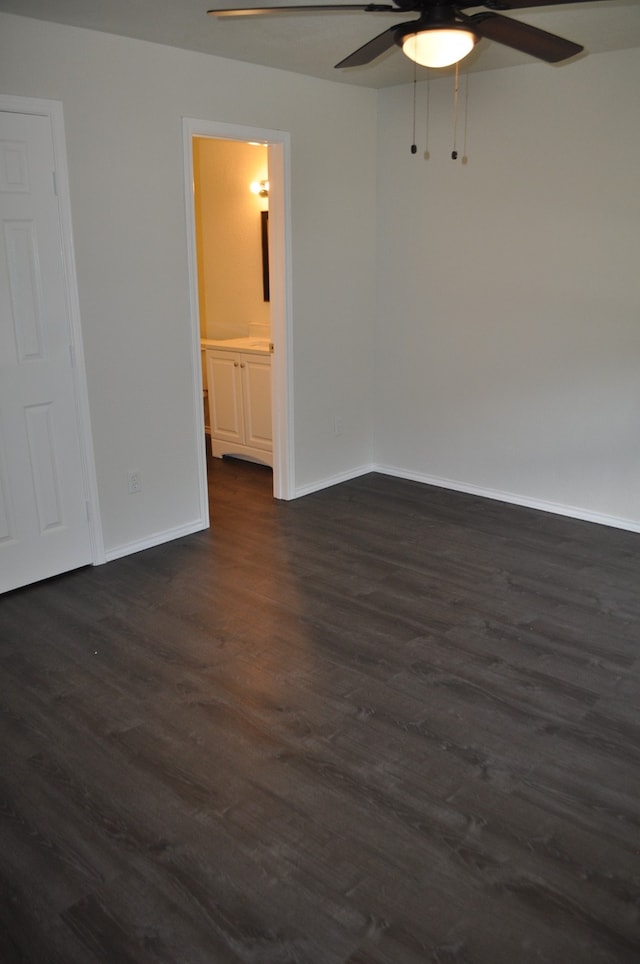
(264, 233)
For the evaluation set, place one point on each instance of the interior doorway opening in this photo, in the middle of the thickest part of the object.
(250, 317)
(231, 202)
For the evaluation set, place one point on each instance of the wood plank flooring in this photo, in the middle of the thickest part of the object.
(383, 724)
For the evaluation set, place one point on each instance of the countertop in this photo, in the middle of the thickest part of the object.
(257, 346)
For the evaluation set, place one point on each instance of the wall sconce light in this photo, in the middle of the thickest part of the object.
(261, 188)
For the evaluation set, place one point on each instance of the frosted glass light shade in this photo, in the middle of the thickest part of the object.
(438, 47)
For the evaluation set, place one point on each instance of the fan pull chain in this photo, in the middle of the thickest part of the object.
(456, 87)
(466, 114)
(414, 146)
(426, 132)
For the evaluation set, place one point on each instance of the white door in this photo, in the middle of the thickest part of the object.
(43, 509)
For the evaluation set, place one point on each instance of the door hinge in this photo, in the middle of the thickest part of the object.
(55, 183)
(88, 510)
(72, 357)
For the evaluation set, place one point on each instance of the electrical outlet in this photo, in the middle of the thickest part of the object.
(337, 425)
(134, 480)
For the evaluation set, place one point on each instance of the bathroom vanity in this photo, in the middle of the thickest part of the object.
(238, 376)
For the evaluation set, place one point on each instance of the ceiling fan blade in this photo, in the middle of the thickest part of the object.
(516, 4)
(374, 48)
(521, 36)
(305, 8)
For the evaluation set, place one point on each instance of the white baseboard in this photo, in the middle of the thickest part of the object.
(570, 511)
(333, 480)
(155, 540)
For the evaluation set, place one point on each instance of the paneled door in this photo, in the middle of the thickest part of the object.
(44, 528)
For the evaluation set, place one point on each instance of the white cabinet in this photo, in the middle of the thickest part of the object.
(239, 387)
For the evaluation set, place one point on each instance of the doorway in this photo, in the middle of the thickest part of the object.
(277, 146)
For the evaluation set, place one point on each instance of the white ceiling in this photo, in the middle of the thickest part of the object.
(312, 43)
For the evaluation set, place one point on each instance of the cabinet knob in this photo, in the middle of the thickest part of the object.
(241, 364)
(235, 364)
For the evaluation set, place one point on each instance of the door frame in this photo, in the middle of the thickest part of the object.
(53, 110)
(279, 163)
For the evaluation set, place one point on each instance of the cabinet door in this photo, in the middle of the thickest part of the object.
(256, 381)
(225, 395)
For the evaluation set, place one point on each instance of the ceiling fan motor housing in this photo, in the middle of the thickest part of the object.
(433, 16)
(426, 24)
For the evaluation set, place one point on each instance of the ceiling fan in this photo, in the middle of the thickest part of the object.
(443, 33)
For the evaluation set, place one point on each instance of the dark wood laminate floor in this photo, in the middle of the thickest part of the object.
(384, 724)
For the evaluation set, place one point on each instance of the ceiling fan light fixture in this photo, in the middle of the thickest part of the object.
(439, 46)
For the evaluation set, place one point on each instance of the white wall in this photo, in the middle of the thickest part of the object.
(508, 338)
(123, 102)
(507, 343)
